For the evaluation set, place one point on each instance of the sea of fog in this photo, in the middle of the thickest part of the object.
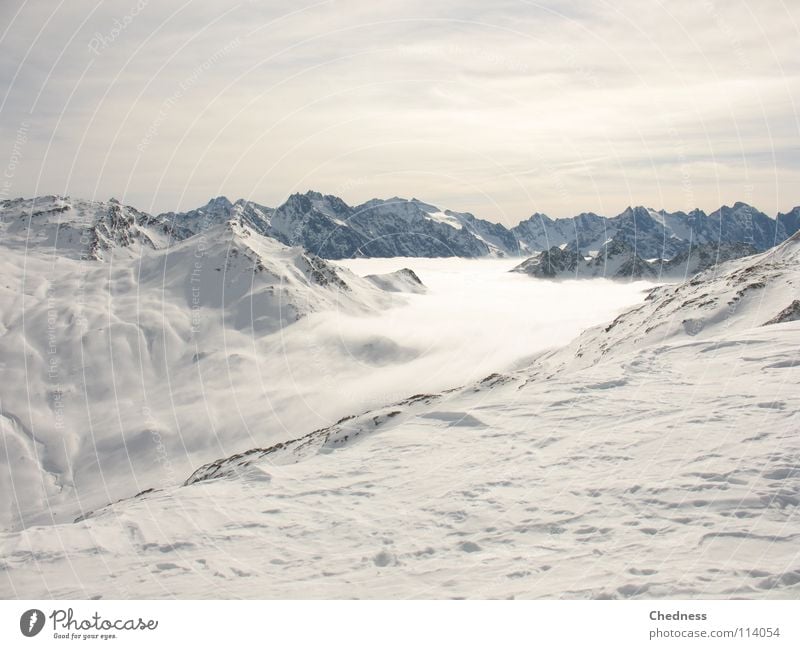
(476, 318)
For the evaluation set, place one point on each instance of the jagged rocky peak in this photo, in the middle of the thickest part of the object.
(425, 207)
(215, 211)
(219, 205)
(789, 314)
(410, 210)
(81, 229)
(639, 218)
(219, 210)
(404, 280)
(584, 217)
(535, 218)
(394, 227)
(616, 246)
(790, 221)
(739, 207)
(636, 211)
(313, 200)
(557, 262)
(618, 259)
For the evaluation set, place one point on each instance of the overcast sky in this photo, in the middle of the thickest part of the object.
(502, 108)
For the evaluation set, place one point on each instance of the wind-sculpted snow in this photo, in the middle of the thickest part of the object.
(656, 456)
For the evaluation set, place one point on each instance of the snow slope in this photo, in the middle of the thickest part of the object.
(573, 487)
(655, 456)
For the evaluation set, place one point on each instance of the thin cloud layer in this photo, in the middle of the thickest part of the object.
(497, 108)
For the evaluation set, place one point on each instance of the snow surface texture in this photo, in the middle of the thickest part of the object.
(654, 456)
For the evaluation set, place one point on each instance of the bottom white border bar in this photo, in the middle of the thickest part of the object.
(375, 624)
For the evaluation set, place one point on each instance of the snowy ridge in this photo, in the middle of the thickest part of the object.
(220, 210)
(658, 234)
(617, 259)
(409, 227)
(344, 432)
(80, 229)
(259, 283)
(404, 280)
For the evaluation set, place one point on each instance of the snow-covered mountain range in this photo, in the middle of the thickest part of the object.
(396, 227)
(399, 227)
(617, 259)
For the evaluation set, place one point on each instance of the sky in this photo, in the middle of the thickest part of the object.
(499, 108)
